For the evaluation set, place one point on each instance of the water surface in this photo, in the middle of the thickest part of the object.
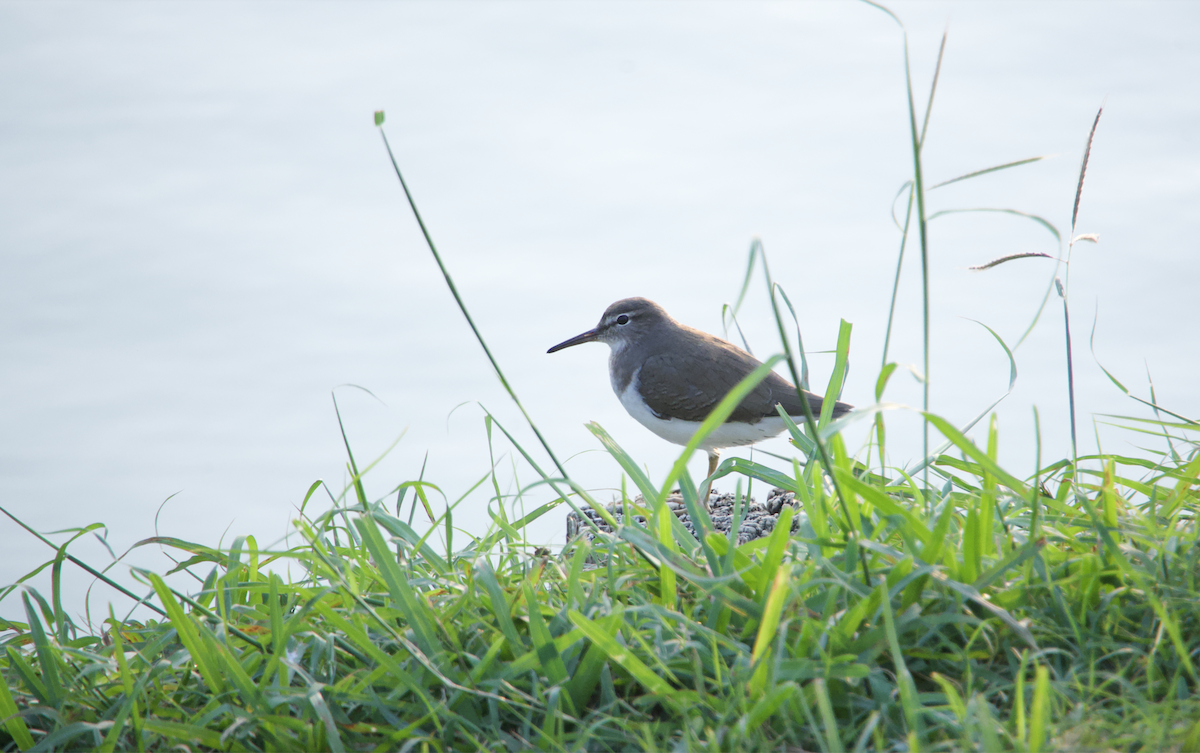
(200, 235)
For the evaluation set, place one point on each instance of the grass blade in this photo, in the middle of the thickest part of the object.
(462, 306)
(12, 719)
(618, 653)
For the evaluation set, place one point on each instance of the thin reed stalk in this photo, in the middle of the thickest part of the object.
(462, 306)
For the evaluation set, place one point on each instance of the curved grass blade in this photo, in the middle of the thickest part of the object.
(997, 210)
(543, 643)
(827, 407)
(909, 700)
(799, 338)
(979, 456)
(733, 310)
(1121, 387)
(141, 600)
(987, 170)
(462, 306)
(579, 490)
(627, 463)
(772, 610)
(1012, 380)
(621, 655)
(761, 472)
(766, 707)
(917, 141)
(837, 378)
(12, 720)
(659, 555)
(500, 606)
(1010, 257)
(189, 635)
(405, 599)
(887, 336)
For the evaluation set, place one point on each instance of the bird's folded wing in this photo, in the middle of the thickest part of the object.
(688, 388)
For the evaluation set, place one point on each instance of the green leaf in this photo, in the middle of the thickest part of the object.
(881, 383)
(979, 456)
(885, 503)
(909, 700)
(778, 541)
(838, 377)
(635, 472)
(759, 471)
(182, 734)
(828, 720)
(47, 660)
(953, 699)
(621, 655)
(362, 640)
(780, 590)
(189, 636)
(1040, 713)
(543, 642)
(587, 674)
(500, 606)
(415, 611)
(987, 170)
(667, 594)
(766, 707)
(13, 721)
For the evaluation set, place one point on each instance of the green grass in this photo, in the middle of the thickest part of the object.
(955, 604)
(1053, 611)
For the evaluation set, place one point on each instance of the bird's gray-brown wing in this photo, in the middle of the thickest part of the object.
(688, 387)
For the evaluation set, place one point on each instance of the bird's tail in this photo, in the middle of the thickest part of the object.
(839, 408)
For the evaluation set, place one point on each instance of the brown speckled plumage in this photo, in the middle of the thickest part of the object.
(684, 381)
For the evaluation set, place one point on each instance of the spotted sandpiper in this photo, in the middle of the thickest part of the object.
(670, 376)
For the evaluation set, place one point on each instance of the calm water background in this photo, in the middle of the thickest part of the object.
(200, 235)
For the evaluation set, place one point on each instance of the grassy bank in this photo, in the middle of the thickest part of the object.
(1054, 611)
(950, 604)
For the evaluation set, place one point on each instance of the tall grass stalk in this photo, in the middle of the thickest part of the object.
(922, 225)
(1063, 290)
(917, 138)
(826, 408)
(379, 118)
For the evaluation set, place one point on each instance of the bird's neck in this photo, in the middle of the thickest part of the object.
(621, 366)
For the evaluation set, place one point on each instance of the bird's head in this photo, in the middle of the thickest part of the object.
(624, 322)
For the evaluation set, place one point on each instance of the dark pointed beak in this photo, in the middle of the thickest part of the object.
(586, 337)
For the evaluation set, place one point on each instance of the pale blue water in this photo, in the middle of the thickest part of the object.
(200, 235)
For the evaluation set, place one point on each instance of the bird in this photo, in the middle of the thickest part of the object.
(670, 376)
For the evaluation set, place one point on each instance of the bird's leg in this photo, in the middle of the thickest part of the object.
(713, 457)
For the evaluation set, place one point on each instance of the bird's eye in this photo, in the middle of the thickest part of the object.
(623, 319)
